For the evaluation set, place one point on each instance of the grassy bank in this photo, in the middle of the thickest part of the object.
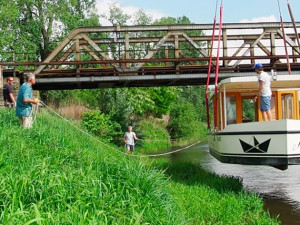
(53, 174)
(206, 198)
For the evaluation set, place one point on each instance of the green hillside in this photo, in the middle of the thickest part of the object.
(54, 174)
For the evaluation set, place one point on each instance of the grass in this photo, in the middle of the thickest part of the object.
(53, 174)
(206, 198)
(154, 136)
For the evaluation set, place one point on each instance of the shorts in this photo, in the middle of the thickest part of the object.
(26, 122)
(131, 147)
(265, 103)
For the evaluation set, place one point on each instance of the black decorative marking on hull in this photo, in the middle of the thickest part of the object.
(257, 147)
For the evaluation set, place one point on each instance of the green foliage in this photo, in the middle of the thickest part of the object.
(153, 134)
(141, 18)
(248, 109)
(59, 98)
(101, 125)
(116, 15)
(184, 121)
(163, 97)
(125, 102)
(196, 96)
(35, 27)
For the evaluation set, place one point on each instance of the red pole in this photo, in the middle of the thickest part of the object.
(285, 47)
(208, 74)
(284, 40)
(217, 68)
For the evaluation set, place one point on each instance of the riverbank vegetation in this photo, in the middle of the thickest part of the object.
(53, 174)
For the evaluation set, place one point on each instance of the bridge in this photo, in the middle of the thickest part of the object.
(174, 55)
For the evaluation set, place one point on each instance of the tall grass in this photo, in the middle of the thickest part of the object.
(53, 174)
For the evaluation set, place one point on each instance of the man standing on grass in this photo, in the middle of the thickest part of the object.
(129, 138)
(25, 101)
(264, 91)
(9, 100)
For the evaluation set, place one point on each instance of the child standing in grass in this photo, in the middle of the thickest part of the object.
(129, 138)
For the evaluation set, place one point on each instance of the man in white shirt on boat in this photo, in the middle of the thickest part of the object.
(264, 91)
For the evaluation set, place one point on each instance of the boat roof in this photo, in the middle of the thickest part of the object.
(249, 83)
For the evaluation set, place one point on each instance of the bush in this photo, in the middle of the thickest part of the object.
(101, 125)
(183, 121)
(153, 135)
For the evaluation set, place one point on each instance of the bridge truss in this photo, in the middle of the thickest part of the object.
(130, 56)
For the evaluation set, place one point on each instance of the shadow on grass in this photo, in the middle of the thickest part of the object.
(192, 174)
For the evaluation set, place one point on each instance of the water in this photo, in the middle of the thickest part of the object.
(280, 189)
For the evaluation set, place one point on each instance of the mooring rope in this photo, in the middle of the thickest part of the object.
(115, 149)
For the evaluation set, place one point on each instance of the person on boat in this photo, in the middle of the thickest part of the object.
(264, 91)
(25, 101)
(129, 138)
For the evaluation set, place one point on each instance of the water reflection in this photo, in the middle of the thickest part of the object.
(280, 189)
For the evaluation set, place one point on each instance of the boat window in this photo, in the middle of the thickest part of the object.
(287, 106)
(248, 110)
(231, 109)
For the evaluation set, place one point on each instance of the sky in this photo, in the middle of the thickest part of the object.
(203, 11)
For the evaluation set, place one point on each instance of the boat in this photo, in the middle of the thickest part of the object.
(241, 137)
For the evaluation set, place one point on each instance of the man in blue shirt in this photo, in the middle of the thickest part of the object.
(25, 101)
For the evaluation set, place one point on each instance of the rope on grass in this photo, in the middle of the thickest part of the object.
(117, 150)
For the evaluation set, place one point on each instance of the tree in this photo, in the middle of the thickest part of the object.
(141, 18)
(183, 120)
(195, 96)
(36, 26)
(116, 15)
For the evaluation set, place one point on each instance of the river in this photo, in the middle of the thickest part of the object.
(279, 189)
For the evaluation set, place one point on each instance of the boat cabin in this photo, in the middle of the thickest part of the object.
(236, 102)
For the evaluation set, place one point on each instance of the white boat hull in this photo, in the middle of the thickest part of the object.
(274, 143)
